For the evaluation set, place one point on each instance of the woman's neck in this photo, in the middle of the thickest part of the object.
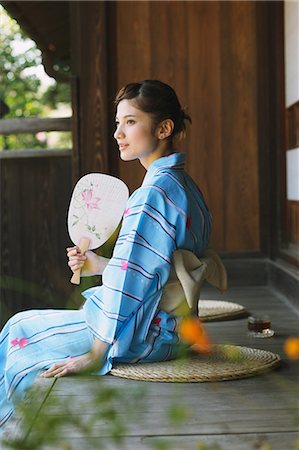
(164, 150)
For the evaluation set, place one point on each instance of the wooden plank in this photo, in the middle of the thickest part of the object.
(273, 441)
(229, 413)
(210, 408)
(159, 398)
(34, 125)
(33, 268)
(200, 421)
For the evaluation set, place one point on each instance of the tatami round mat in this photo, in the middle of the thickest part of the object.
(209, 310)
(226, 362)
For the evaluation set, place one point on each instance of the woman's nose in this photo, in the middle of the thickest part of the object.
(118, 132)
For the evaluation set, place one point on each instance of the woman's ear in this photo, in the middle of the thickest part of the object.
(165, 129)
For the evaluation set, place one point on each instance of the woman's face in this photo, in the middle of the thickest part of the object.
(134, 134)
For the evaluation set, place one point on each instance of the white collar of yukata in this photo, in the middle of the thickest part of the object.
(173, 161)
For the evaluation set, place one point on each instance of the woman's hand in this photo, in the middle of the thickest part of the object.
(86, 363)
(89, 263)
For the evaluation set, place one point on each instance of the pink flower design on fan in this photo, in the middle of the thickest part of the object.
(127, 211)
(21, 343)
(124, 265)
(90, 201)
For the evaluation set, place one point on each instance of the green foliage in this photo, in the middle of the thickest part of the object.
(57, 93)
(20, 88)
(178, 414)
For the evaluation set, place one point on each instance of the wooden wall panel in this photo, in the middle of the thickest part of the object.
(35, 194)
(208, 52)
(171, 58)
(133, 62)
(240, 125)
(205, 153)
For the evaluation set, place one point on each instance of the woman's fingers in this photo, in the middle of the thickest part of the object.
(63, 373)
(50, 372)
(76, 259)
(58, 370)
(75, 265)
(73, 251)
(83, 363)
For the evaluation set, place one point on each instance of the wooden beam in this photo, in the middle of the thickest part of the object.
(35, 153)
(34, 125)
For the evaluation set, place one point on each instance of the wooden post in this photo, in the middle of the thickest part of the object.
(89, 66)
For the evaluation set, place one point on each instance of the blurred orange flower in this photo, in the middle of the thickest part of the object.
(192, 332)
(291, 347)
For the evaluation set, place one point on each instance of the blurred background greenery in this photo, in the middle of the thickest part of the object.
(26, 91)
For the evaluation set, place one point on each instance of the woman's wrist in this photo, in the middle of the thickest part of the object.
(98, 349)
(102, 263)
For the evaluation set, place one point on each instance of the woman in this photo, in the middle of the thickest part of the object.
(121, 320)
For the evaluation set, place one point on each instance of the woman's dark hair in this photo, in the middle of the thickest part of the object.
(158, 99)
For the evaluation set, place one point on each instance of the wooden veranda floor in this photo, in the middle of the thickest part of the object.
(254, 413)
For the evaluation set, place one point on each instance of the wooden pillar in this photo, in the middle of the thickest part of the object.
(89, 87)
(271, 133)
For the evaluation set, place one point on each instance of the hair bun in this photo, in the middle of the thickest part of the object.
(185, 115)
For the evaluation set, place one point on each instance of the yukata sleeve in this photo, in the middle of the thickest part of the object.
(138, 270)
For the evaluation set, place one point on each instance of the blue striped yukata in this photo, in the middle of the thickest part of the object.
(166, 213)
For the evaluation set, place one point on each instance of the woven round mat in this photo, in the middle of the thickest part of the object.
(226, 362)
(209, 310)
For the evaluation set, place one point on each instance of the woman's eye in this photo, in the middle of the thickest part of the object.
(130, 122)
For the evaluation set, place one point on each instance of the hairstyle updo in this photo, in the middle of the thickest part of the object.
(160, 100)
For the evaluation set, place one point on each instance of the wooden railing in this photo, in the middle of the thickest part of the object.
(32, 126)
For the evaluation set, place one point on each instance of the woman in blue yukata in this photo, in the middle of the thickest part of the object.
(124, 319)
